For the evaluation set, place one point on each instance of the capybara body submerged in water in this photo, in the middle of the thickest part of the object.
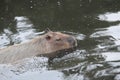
(43, 45)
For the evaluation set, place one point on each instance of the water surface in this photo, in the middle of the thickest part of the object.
(95, 24)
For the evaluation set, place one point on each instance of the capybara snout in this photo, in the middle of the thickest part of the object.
(72, 41)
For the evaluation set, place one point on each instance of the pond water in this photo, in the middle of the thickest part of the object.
(94, 23)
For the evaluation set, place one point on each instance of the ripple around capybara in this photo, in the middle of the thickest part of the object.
(44, 45)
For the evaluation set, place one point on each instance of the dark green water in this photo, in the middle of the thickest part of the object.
(95, 24)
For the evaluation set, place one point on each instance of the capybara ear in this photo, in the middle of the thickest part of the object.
(48, 37)
(47, 30)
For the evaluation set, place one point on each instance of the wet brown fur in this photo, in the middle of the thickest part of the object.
(43, 45)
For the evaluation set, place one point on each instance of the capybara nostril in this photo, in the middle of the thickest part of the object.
(72, 41)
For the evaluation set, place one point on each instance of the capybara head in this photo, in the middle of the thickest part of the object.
(44, 45)
(55, 41)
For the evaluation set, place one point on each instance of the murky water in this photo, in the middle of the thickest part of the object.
(95, 24)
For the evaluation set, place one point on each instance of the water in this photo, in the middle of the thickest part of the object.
(95, 24)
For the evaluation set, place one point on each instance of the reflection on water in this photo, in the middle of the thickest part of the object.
(24, 29)
(43, 76)
(24, 32)
(108, 47)
(110, 17)
(94, 23)
(4, 40)
(7, 73)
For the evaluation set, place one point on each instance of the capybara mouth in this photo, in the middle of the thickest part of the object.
(63, 52)
(60, 53)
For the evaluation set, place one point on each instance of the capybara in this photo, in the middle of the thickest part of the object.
(43, 45)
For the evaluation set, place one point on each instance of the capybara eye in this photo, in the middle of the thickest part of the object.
(48, 37)
(58, 39)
